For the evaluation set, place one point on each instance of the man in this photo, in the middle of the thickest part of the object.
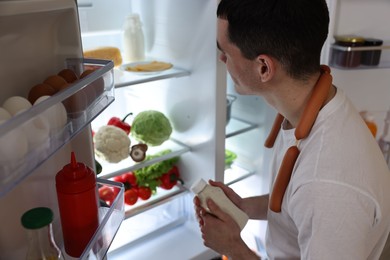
(330, 195)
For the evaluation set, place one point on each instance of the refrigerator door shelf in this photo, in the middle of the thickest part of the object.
(28, 139)
(124, 78)
(358, 58)
(110, 218)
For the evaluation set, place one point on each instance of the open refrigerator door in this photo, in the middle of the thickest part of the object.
(41, 39)
(358, 52)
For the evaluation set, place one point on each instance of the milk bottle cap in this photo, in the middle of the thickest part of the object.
(198, 186)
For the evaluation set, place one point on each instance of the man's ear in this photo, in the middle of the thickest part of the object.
(266, 67)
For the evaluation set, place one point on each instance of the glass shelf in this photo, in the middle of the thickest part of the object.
(359, 58)
(238, 126)
(161, 196)
(125, 78)
(110, 218)
(19, 159)
(236, 173)
(127, 165)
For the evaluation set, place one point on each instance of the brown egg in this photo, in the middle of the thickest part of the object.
(56, 82)
(40, 90)
(75, 104)
(69, 75)
(95, 89)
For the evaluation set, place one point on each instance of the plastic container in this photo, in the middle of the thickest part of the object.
(133, 39)
(205, 191)
(371, 57)
(78, 204)
(41, 244)
(347, 57)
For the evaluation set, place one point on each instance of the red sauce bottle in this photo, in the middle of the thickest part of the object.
(78, 205)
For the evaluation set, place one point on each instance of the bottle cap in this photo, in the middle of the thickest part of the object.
(37, 218)
(198, 186)
(75, 177)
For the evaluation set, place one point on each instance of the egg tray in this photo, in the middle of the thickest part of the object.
(18, 161)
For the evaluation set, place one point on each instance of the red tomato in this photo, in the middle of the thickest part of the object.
(107, 194)
(144, 193)
(170, 179)
(128, 179)
(131, 197)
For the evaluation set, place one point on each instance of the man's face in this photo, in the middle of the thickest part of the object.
(243, 71)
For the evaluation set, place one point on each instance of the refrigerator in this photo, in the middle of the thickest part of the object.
(41, 37)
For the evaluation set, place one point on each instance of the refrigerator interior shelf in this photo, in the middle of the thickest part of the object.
(28, 139)
(238, 126)
(161, 196)
(236, 173)
(110, 218)
(359, 58)
(113, 169)
(124, 79)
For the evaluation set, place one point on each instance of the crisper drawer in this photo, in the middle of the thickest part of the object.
(31, 137)
(164, 216)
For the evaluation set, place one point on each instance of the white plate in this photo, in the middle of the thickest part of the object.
(132, 64)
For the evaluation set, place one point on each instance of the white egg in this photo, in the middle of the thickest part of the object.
(4, 114)
(55, 115)
(37, 130)
(16, 104)
(13, 146)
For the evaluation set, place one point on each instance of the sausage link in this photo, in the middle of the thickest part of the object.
(269, 142)
(316, 101)
(283, 178)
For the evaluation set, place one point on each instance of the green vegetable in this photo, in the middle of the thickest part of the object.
(151, 127)
(149, 175)
(229, 157)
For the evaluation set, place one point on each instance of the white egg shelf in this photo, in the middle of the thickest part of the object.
(24, 146)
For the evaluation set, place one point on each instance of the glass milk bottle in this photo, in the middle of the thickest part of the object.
(205, 191)
(133, 39)
(41, 244)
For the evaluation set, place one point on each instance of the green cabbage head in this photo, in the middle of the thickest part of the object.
(151, 127)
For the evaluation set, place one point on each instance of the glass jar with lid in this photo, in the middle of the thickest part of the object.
(347, 57)
(41, 244)
(371, 57)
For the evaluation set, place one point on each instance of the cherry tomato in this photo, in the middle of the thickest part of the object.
(131, 197)
(107, 194)
(144, 193)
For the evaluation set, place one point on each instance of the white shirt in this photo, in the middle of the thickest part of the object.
(337, 204)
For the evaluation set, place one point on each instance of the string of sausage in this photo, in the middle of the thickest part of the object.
(306, 122)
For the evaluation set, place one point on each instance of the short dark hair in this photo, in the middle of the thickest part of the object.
(291, 31)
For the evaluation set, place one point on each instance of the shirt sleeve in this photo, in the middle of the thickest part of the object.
(333, 220)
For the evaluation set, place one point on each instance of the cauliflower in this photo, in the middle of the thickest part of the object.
(151, 127)
(111, 144)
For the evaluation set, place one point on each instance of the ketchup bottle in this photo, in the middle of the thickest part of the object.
(78, 205)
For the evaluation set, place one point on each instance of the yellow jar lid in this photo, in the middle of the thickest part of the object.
(349, 38)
